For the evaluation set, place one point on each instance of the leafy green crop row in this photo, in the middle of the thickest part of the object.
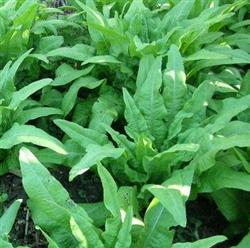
(153, 96)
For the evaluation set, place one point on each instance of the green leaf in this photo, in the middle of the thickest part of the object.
(66, 73)
(97, 212)
(69, 98)
(128, 198)
(150, 102)
(157, 221)
(79, 52)
(94, 154)
(35, 113)
(51, 206)
(102, 59)
(51, 25)
(8, 218)
(49, 157)
(94, 17)
(29, 134)
(102, 33)
(8, 74)
(17, 63)
(4, 76)
(206, 160)
(124, 235)
(82, 112)
(236, 128)
(51, 97)
(178, 13)
(218, 56)
(36, 175)
(110, 195)
(161, 164)
(135, 7)
(221, 176)
(76, 231)
(49, 43)
(5, 244)
(136, 122)
(192, 108)
(106, 109)
(174, 192)
(83, 136)
(244, 87)
(230, 108)
(243, 160)
(144, 67)
(52, 243)
(112, 228)
(206, 54)
(227, 202)
(204, 243)
(25, 92)
(39, 57)
(244, 242)
(174, 78)
(122, 141)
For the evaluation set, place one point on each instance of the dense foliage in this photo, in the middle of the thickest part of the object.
(153, 96)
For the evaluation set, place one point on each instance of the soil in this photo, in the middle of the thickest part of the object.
(204, 220)
(23, 232)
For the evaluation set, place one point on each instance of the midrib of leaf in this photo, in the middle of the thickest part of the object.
(52, 202)
(133, 116)
(169, 193)
(174, 83)
(180, 12)
(154, 227)
(42, 185)
(24, 137)
(152, 100)
(176, 206)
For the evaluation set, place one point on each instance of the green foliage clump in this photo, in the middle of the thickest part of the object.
(153, 96)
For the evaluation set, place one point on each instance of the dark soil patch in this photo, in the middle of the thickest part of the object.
(204, 220)
(86, 188)
(23, 232)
